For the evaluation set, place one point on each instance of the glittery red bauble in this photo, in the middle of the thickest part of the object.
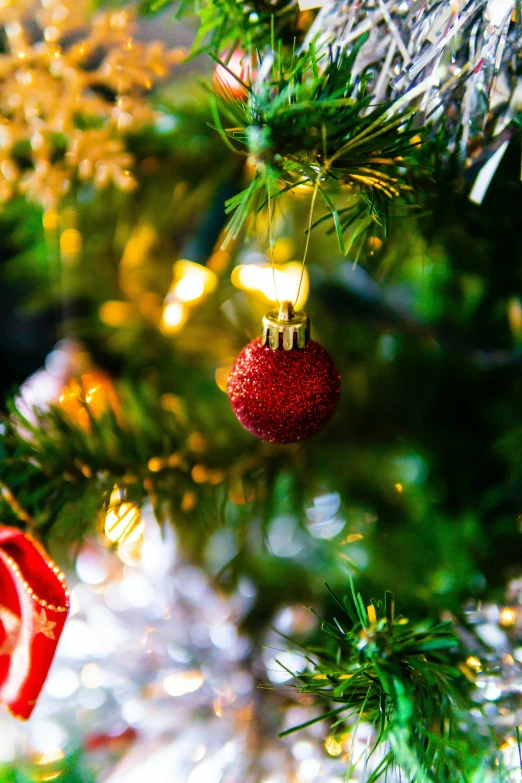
(283, 396)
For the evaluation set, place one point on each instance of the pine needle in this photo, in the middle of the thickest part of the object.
(309, 123)
(403, 679)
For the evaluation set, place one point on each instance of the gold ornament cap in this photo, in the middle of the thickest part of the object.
(293, 326)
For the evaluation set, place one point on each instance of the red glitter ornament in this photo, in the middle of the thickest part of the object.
(284, 387)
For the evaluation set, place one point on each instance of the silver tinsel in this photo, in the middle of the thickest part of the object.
(154, 679)
(455, 63)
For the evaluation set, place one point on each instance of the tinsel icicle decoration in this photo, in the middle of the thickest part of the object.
(457, 65)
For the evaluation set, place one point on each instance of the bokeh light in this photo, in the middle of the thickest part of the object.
(277, 284)
(122, 521)
(191, 284)
(174, 317)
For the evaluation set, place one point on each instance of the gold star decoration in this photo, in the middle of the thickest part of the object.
(11, 625)
(71, 86)
(42, 624)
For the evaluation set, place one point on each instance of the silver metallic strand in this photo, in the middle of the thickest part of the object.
(456, 61)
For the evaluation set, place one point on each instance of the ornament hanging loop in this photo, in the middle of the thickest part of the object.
(286, 312)
(285, 328)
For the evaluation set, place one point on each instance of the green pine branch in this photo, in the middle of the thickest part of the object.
(406, 681)
(309, 123)
(57, 472)
(228, 24)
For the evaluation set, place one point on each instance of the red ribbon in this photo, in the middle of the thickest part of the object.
(34, 603)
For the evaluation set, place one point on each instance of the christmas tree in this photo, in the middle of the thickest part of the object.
(260, 472)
